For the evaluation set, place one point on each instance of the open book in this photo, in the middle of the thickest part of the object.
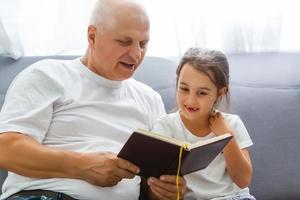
(156, 154)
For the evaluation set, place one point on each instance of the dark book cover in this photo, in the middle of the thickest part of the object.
(156, 157)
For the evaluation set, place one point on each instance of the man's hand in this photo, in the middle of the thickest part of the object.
(40, 161)
(164, 188)
(105, 169)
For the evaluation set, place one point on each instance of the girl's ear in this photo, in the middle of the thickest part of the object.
(223, 91)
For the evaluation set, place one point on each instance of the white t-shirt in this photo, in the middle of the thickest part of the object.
(62, 104)
(213, 181)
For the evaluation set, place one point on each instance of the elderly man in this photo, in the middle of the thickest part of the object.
(64, 121)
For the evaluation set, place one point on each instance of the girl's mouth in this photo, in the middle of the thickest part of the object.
(191, 109)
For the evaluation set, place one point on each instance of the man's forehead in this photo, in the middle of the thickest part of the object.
(131, 36)
(132, 32)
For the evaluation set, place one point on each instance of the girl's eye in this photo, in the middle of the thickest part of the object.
(183, 89)
(201, 93)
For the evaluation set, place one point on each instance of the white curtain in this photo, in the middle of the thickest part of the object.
(231, 25)
(10, 43)
(49, 27)
(58, 27)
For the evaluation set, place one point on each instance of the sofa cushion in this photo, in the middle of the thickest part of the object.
(266, 94)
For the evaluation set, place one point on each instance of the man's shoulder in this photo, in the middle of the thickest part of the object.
(51, 64)
(142, 87)
(53, 68)
(48, 70)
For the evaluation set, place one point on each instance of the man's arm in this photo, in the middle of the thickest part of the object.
(23, 155)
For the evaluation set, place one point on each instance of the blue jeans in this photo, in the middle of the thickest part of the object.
(42, 197)
(241, 198)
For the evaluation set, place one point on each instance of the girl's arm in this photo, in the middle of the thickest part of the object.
(238, 164)
(238, 160)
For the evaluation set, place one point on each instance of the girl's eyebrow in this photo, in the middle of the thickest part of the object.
(199, 88)
(204, 88)
(183, 83)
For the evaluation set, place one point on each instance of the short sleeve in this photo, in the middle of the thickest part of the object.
(242, 135)
(28, 105)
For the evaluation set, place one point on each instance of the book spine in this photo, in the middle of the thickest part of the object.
(173, 167)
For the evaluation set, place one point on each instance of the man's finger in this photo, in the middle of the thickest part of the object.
(161, 194)
(165, 186)
(126, 165)
(172, 179)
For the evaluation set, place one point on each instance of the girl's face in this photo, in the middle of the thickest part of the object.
(196, 94)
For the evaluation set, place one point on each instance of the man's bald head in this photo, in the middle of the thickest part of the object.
(106, 13)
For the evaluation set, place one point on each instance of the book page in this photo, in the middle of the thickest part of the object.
(163, 138)
(208, 141)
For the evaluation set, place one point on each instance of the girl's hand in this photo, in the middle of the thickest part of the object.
(218, 125)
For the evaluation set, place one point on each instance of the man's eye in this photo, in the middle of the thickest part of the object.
(124, 43)
(143, 45)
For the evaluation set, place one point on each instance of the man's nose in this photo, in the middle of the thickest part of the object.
(136, 53)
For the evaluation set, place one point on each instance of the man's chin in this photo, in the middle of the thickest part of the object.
(125, 76)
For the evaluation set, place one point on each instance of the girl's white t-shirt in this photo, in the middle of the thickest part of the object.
(64, 105)
(213, 181)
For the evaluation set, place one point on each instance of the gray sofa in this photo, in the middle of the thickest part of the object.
(265, 92)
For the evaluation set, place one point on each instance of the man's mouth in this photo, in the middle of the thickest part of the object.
(127, 65)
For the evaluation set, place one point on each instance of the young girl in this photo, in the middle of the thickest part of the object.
(202, 82)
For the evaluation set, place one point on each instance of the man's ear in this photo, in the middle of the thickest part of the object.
(91, 35)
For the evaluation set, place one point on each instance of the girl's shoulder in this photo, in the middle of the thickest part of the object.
(232, 119)
(229, 116)
(171, 125)
(171, 120)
